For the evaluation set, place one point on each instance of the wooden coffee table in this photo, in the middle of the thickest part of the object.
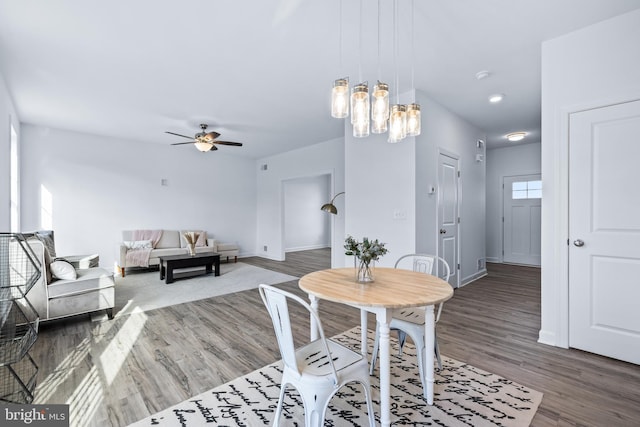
(172, 262)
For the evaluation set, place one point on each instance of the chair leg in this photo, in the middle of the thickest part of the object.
(374, 353)
(402, 337)
(437, 350)
(367, 396)
(276, 418)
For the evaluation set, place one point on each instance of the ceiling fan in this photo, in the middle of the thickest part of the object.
(204, 141)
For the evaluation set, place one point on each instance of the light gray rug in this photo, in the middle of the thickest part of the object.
(464, 396)
(143, 291)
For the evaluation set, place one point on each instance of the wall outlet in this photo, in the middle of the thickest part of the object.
(399, 214)
(264, 167)
(264, 248)
(481, 264)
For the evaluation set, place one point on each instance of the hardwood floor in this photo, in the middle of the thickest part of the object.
(116, 372)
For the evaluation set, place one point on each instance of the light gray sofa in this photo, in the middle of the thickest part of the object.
(172, 243)
(92, 290)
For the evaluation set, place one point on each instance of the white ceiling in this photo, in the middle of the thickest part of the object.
(260, 71)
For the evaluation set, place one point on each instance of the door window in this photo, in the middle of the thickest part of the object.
(526, 190)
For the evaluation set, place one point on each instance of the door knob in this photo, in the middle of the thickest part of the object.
(443, 231)
(579, 243)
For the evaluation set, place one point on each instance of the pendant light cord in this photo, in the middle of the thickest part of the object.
(413, 50)
(379, 62)
(395, 48)
(360, 45)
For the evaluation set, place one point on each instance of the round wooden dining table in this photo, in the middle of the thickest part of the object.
(391, 289)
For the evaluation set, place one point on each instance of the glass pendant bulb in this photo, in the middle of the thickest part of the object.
(360, 110)
(413, 119)
(340, 99)
(380, 107)
(397, 123)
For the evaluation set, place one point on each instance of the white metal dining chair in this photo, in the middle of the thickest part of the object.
(410, 321)
(318, 369)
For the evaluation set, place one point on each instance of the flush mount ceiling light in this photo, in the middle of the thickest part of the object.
(516, 136)
(496, 97)
(482, 74)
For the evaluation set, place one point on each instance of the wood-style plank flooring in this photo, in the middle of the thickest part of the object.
(116, 372)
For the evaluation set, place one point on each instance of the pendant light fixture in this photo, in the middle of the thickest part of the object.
(340, 98)
(340, 92)
(398, 114)
(375, 114)
(360, 106)
(360, 110)
(380, 96)
(413, 110)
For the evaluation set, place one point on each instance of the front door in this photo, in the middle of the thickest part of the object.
(604, 231)
(522, 196)
(449, 214)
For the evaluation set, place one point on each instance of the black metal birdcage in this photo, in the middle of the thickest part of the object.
(19, 272)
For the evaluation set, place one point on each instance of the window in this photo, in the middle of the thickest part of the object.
(526, 190)
(15, 183)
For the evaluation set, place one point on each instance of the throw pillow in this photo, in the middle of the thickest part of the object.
(63, 269)
(46, 237)
(139, 244)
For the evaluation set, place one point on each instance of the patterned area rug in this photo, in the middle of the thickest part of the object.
(464, 396)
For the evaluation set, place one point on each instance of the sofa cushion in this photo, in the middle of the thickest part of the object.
(167, 252)
(224, 247)
(88, 280)
(169, 239)
(63, 269)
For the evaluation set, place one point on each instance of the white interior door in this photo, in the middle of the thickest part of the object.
(604, 231)
(521, 219)
(449, 214)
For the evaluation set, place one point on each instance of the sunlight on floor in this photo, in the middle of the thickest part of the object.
(49, 386)
(115, 354)
(85, 396)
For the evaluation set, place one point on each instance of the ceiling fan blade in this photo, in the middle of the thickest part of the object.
(212, 135)
(177, 134)
(182, 143)
(235, 144)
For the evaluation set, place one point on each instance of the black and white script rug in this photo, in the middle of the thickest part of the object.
(464, 396)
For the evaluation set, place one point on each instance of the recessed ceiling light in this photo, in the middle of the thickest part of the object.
(516, 136)
(482, 75)
(496, 97)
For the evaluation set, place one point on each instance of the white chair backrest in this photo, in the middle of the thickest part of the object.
(425, 263)
(275, 300)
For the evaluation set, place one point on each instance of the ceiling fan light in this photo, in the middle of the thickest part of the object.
(397, 123)
(340, 99)
(380, 107)
(203, 146)
(413, 119)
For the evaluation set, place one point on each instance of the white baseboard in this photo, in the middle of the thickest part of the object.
(306, 248)
(494, 260)
(547, 337)
(465, 281)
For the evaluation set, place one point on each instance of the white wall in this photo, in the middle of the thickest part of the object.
(595, 66)
(501, 162)
(444, 131)
(382, 178)
(319, 159)
(102, 185)
(7, 116)
(305, 225)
